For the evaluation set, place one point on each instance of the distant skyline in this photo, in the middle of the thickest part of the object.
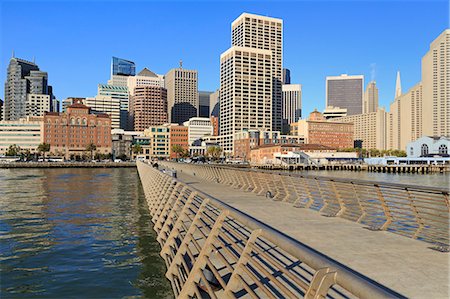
(75, 41)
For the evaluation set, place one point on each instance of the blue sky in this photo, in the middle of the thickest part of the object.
(74, 41)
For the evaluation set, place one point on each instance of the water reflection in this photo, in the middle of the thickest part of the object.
(82, 233)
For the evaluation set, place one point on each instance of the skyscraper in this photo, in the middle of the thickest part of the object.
(148, 107)
(122, 67)
(345, 92)
(245, 91)
(214, 103)
(292, 105)
(436, 87)
(370, 98)
(23, 79)
(286, 76)
(203, 103)
(261, 32)
(182, 94)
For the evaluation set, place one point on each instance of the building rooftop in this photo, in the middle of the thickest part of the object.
(147, 73)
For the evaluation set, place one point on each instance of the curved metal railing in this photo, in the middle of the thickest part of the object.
(215, 251)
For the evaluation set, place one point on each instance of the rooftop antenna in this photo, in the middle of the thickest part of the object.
(181, 63)
(12, 53)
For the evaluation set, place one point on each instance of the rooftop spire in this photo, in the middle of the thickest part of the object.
(181, 64)
(12, 54)
(398, 86)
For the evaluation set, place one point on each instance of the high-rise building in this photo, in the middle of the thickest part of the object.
(182, 94)
(370, 98)
(148, 107)
(246, 83)
(1, 109)
(371, 128)
(292, 105)
(260, 32)
(436, 87)
(38, 104)
(122, 67)
(214, 105)
(17, 87)
(117, 94)
(345, 92)
(105, 105)
(144, 78)
(286, 76)
(203, 103)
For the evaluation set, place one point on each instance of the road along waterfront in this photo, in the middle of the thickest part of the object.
(83, 233)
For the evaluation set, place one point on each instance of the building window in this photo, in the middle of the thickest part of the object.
(411, 151)
(424, 150)
(443, 149)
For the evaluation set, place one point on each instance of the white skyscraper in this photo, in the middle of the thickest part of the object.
(292, 104)
(260, 32)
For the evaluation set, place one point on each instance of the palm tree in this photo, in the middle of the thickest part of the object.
(178, 150)
(13, 150)
(91, 147)
(214, 152)
(43, 148)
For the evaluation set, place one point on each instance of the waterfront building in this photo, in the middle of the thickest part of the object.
(27, 133)
(105, 105)
(333, 112)
(286, 76)
(371, 98)
(122, 67)
(245, 91)
(159, 138)
(203, 103)
(144, 78)
(182, 94)
(371, 128)
(436, 87)
(214, 103)
(427, 146)
(144, 142)
(345, 91)
(198, 127)
(265, 33)
(317, 130)
(37, 104)
(122, 142)
(246, 140)
(148, 107)
(23, 78)
(69, 133)
(292, 105)
(179, 135)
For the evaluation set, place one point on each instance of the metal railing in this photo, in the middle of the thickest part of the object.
(212, 250)
(414, 211)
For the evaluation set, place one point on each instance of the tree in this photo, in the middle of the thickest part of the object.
(43, 148)
(13, 150)
(178, 150)
(137, 148)
(214, 152)
(91, 147)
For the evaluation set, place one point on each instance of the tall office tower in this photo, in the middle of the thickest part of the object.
(203, 103)
(260, 32)
(55, 105)
(122, 67)
(37, 104)
(148, 107)
(292, 105)
(16, 88)
(436, 87)
(245, 91)
(116, 94)
(345, 92)
(286, 76)
(182, 94)
(144, 78)
(214, 105)
(370, 98)
(1, 109)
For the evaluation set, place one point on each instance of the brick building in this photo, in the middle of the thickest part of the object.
(69, 133)
(148, 107)
(317, 130)
(178, 136)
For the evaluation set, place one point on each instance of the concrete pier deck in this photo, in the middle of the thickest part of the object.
(405, 265)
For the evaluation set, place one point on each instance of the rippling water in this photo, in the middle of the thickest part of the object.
(77, 233)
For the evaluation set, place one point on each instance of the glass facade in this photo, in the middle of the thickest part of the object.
(123, 67)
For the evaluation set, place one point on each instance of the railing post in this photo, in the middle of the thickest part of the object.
(385, 207)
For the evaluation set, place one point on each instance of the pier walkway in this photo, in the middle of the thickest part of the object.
(405, 265)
